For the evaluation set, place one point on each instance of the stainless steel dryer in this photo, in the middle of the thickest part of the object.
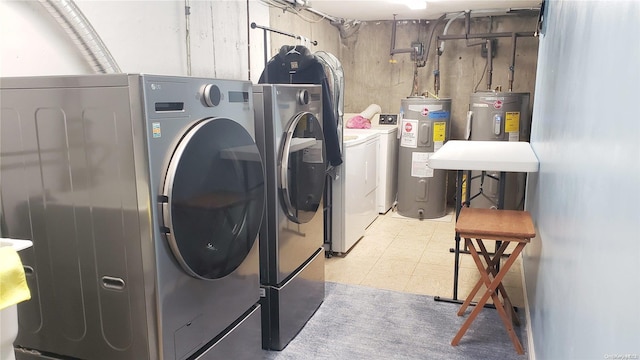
(143, 196)
(291, 141)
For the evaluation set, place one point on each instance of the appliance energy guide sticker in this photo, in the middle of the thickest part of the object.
(512, 125)
(439, 133)
(155, 130)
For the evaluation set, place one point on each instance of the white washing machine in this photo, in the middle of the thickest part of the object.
(143, 196)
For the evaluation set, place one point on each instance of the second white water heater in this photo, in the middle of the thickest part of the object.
(498, 116)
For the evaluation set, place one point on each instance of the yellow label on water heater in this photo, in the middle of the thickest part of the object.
(512, 122)
(439, 130)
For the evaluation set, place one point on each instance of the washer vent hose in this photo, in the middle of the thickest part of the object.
(76, 25)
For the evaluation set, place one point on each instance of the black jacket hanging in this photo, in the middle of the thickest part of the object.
(296, 65)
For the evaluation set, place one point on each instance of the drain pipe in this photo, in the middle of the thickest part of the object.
(512, 66)
(425, 56)
(436, 74)
(76, 25)
(489, 63)
(393, 49)
(467, 22)
(483, 38)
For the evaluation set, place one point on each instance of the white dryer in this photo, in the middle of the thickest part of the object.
(387, 162)
(356, 205)
(143, 196)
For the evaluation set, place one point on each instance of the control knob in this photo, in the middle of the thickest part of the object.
(211, 95)
(303, 97)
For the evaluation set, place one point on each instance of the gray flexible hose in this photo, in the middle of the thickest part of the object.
(79, 29)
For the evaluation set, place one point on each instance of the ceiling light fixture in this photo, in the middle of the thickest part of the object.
(416, 4)
(412, 4)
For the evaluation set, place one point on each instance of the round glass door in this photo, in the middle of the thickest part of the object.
(215, 198)
(302, 168)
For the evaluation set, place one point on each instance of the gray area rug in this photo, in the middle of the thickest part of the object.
(357, 322)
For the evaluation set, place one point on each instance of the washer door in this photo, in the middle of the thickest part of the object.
(214, 202)
(302, 168)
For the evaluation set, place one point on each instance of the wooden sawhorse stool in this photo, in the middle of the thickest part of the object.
(501, 225)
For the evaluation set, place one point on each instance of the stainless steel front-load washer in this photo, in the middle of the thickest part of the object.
(143, 196)
(290, 138)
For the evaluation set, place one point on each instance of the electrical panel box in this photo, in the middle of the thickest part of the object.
(494, 48)
(418, 50)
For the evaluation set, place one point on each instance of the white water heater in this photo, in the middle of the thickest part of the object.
(498, 116)
(424, 127)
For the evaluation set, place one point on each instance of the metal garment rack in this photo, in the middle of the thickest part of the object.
(265, 29)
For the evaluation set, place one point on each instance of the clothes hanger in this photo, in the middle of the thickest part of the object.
(293, 51)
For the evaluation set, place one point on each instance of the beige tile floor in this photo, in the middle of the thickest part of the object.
(413, 256)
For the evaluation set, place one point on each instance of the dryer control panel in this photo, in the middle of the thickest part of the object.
(388, 119)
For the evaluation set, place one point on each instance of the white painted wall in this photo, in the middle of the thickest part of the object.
(143, 36)
(32, 43)
(582, 271)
